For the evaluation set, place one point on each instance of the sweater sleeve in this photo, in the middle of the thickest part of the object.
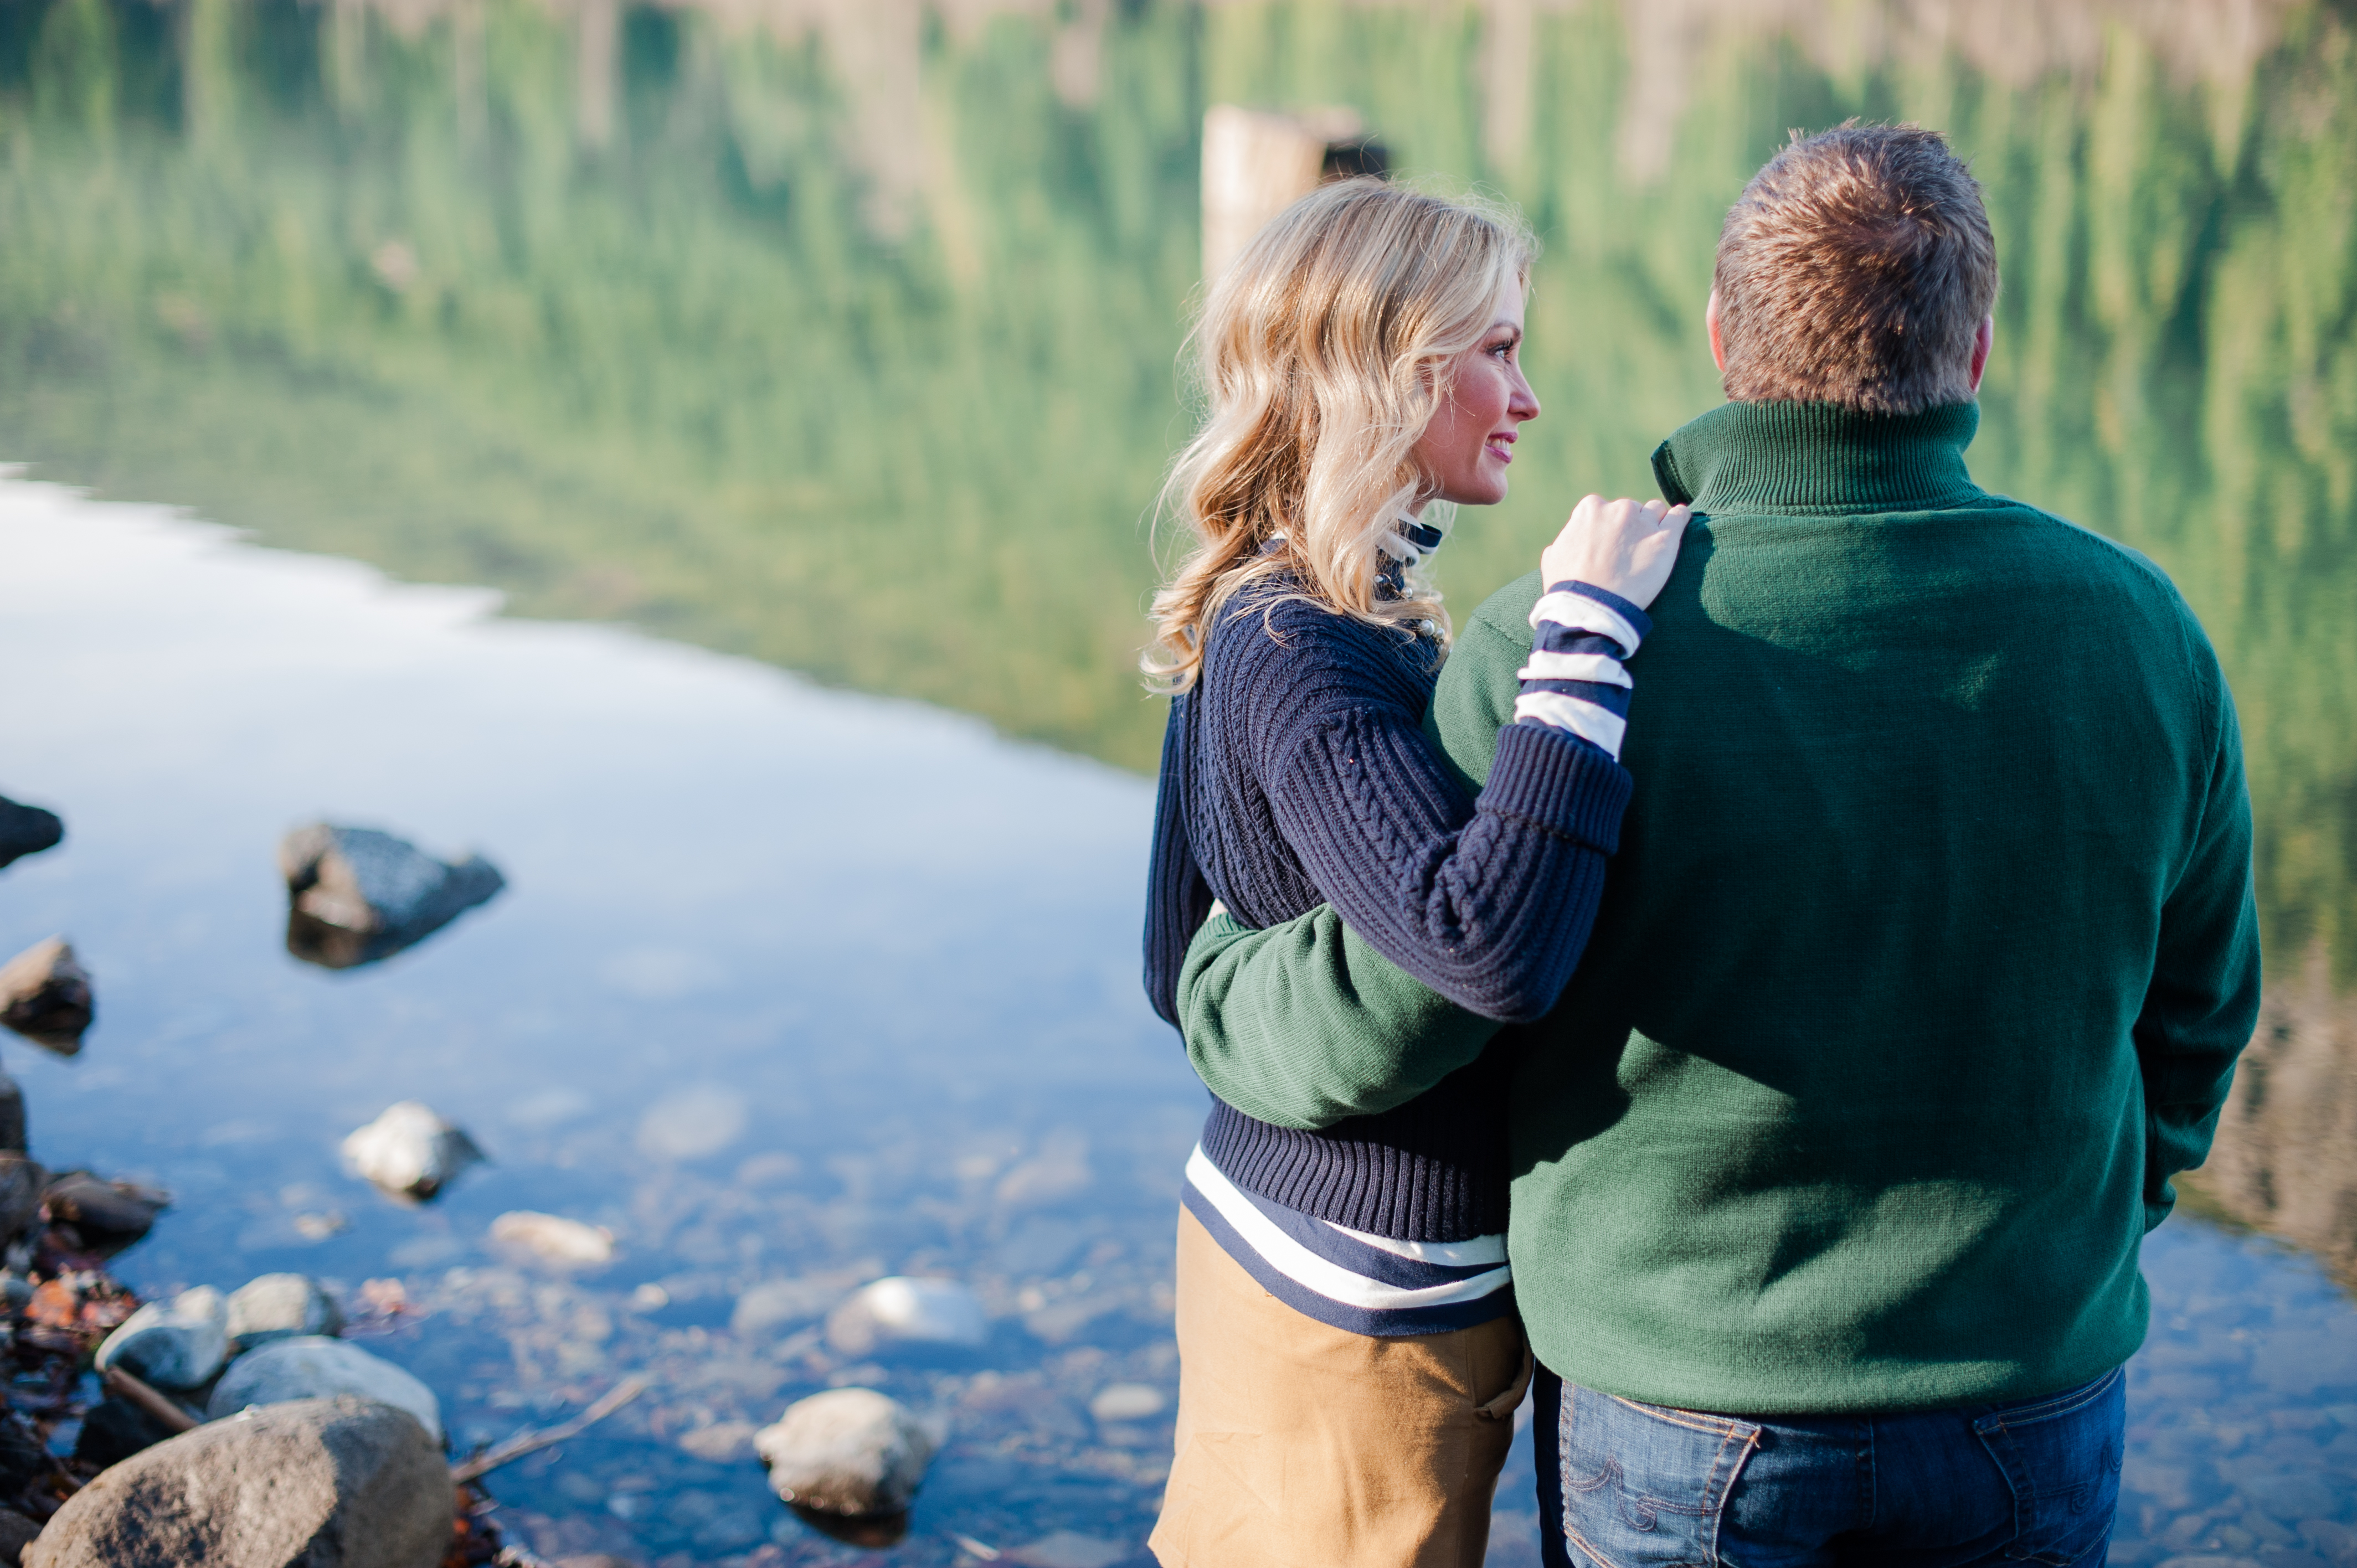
(1487, 902)
(2203, 999)
(1177, 897)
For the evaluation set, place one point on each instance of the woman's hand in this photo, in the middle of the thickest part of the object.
(1621, 547)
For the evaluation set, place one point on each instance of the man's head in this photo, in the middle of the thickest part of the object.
(1857, 269)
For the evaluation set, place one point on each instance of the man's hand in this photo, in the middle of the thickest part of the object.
(1621, 547)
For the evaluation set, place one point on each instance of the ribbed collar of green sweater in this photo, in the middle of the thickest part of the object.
(1819, 457)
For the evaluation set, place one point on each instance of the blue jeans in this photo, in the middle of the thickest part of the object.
(1623, 1485)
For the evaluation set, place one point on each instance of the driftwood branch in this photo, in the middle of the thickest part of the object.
(515, 1448)
(122, 1385)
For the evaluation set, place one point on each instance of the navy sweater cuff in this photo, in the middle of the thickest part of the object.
(1555, 781)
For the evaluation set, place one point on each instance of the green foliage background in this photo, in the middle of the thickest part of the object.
(315, 276)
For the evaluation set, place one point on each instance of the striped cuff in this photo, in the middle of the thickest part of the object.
(1579, 636)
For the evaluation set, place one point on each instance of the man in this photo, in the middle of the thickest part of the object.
(1922, 967)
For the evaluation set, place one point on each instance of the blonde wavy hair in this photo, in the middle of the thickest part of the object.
(1322, 353)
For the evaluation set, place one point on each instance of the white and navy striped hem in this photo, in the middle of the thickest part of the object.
(1347, 1278)
(1581, 634)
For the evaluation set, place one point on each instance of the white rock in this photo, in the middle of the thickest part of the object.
(901, 1311)
(177, 1344)
(1127, 1401)
(848, 1451)
(314, 1367)
(556, 1239)
(280, 1306)
(410, 1150)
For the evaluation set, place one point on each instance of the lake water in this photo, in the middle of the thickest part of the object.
(839, 337)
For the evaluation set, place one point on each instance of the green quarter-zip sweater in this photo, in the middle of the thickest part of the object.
(1922, 966)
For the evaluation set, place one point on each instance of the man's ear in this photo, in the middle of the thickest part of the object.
(1718, 349)
(1981, 341)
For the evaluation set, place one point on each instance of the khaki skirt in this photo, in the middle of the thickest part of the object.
(1305, 1446)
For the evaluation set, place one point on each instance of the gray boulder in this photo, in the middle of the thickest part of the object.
(851, 1452)
(323, 1484)
(174, 1345)
(27, 830)
(16, 1532)
(45, 995)
(280, 1306)
(359, 895)
(316, 1367)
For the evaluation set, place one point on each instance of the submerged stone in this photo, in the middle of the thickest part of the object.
(22, 1183)
(176, 1345)
(410, 1151)
(339, 1481)
(46, 996)
(357, 895)
(313, 1368)
(112, 1430)
(554, 1239)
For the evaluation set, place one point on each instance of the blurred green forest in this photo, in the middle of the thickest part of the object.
(713, 333)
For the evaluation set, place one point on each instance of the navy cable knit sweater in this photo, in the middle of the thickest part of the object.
(1297, 773)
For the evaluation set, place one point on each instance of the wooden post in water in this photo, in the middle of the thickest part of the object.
(1256, 165)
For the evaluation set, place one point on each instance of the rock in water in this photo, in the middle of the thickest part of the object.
(112, 1430)
(16, 1532)
(339, 1482)
(556, 1239)
(21, 1185)
(359, 895)
(27, 830)
(94, 1215)
(410, 1151)
(901, 1312)
(13, 1138)
(280, 1306)
(45, 996)
(174, 1345)
(851, 1452)
(313, 1368)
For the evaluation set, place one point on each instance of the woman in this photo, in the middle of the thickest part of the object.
(1350, 1359)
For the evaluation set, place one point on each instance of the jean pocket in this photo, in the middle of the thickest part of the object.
(2062, 1456)
(1643, 1486)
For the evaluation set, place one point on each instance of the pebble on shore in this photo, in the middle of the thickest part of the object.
(176, 1346)
(280, 1306)
(314, 1368)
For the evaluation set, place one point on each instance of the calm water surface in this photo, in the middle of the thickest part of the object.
(787, 986)
(838, 335)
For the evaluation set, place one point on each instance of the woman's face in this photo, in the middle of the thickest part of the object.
(1464, 450)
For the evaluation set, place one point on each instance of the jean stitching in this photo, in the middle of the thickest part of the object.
(1715, 1509)
(1693, 1421)
(2010, 1464)
(2060, 1405)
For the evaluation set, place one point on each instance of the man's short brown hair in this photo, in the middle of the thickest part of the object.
(1857, 269)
